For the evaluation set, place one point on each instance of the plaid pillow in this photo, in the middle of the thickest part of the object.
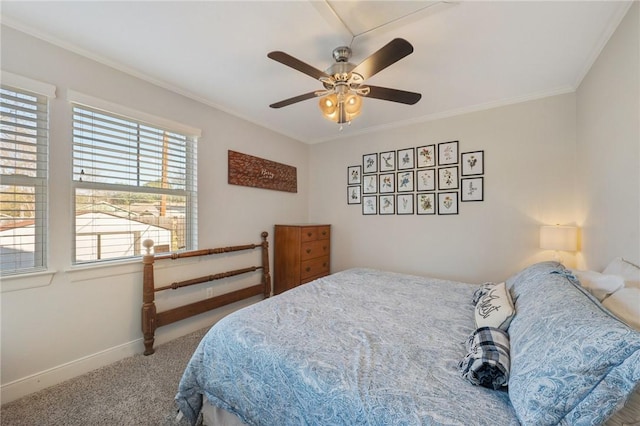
(487, 361)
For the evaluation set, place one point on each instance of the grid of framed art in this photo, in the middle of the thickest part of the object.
(425, 180)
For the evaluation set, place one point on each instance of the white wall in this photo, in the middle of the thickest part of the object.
(608, 139)
(85, 318)
(529, 151)
(568, 159)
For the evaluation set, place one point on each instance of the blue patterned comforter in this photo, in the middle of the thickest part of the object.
(356, 347)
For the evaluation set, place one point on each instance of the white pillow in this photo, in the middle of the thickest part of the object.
(495, 308)
(600, 285)
(625, 269)
(625, 304)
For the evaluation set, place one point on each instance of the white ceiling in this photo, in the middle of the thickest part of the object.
(467, 55)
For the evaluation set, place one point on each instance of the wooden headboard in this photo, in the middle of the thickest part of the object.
(151, 319)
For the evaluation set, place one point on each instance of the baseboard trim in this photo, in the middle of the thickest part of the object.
(56, 375)
(53, 376)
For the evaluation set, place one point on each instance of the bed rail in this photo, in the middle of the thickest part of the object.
(151, 319)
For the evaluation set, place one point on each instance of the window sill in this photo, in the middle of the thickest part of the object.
(26, 281)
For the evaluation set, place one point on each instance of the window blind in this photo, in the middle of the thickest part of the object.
(133, 181)
(23, 175)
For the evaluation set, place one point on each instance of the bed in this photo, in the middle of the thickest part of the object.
(372, 347)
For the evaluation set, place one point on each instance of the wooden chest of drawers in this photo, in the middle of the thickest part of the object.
(301, 254)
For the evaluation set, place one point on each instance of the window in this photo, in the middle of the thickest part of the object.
(23, 187)
(132, 181)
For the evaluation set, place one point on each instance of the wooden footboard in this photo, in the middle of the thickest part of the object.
(151, 319)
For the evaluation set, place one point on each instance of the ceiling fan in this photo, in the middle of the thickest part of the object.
(344, 82)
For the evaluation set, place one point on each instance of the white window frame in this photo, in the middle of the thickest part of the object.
(40, 183)
(109, 108)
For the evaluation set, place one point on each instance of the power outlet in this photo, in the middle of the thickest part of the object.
(209, 292)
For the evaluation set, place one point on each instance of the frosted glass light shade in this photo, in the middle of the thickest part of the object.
(341, 109)
(563, 238)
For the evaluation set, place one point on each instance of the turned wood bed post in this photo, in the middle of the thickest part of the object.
(266, 277)
(151, 319)
(148, 297)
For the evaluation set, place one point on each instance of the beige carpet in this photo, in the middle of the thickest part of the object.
(134, 391)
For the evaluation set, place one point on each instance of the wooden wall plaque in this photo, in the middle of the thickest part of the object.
(247, 170)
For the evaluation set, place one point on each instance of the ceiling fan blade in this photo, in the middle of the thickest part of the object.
(393, 95)
(392, 52)
(297, 64)
(294, 100)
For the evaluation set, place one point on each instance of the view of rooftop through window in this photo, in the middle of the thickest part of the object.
(132, 182)
(23, 190)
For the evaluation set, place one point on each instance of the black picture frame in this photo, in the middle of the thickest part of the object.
(354, 194)
(387, 183)
(404, 204)
(447, 203)
(369, 163)
(472, 163)
(448, 153)
(426, 203)
(387, 204)
(387, 161)
(472, 189)
(405, 181)
(448, 178)
(369, 205)
(354, 175)
(426, 180)
(426, 156)
(369, 184)
(406, 159)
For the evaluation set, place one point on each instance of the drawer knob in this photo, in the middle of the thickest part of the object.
(309, 234)
(324, 232)
(308, 251)
(308, 269)
(324, 264)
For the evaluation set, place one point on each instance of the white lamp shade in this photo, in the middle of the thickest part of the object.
(563, 238)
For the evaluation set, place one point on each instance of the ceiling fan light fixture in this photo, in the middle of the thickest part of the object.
(345, 83)
(329, 106)
(340, 109)
(353, 105)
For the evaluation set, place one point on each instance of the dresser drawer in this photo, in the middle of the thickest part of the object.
(314, 249)
(312, 233)
(323, 232)
(313, 267)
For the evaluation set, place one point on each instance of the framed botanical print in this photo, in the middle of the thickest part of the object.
(387, 161)
(447, 203)
(426, 156)
(369, 163)
(387, 204)
(472, 163)
(404, 203)
(426, 180)
(387, 183)
(406, 159)
(369, 184)
(426, 203)
(353, 194)
(448, 153)
(405, 181)
(354, 175)
(472, 189)
(448, 178)
(369, 204)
